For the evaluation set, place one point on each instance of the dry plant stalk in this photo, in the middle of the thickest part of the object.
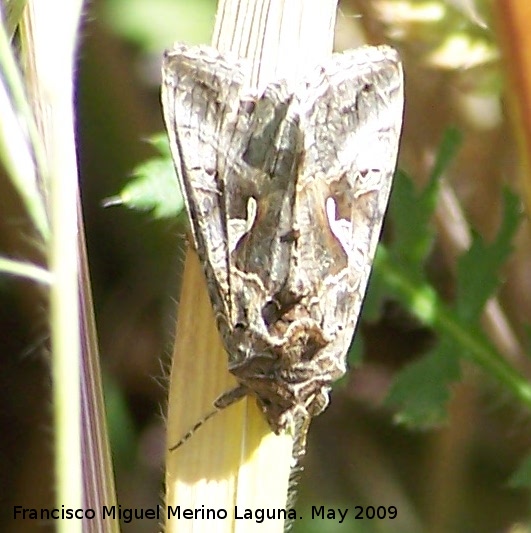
(513, 18)
(234, 459)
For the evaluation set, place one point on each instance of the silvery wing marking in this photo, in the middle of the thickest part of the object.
(286, 192)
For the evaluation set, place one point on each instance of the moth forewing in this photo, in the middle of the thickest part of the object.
(199, 93)
(286, 192)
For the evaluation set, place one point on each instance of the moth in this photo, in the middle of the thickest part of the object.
(286, 190)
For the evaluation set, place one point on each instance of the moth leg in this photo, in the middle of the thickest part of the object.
(232, 396)
(222, 402)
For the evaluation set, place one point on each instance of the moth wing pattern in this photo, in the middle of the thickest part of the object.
(351, 114)
(286, 193)
(200, 97)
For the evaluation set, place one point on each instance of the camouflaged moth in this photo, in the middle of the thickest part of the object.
(286, 191)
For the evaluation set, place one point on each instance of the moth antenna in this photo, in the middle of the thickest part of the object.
(193, 429)
(222, 402)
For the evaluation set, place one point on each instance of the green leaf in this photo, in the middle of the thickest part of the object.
(421, 391)
(411, 212)
(478, 269)
(411, 215)
(420, 298)
(154, 186)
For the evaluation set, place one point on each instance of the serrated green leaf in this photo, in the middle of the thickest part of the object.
(478, 268)
(412, 212)
(153, 188)
(522, 477)
(413, 233)
(421, 391)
